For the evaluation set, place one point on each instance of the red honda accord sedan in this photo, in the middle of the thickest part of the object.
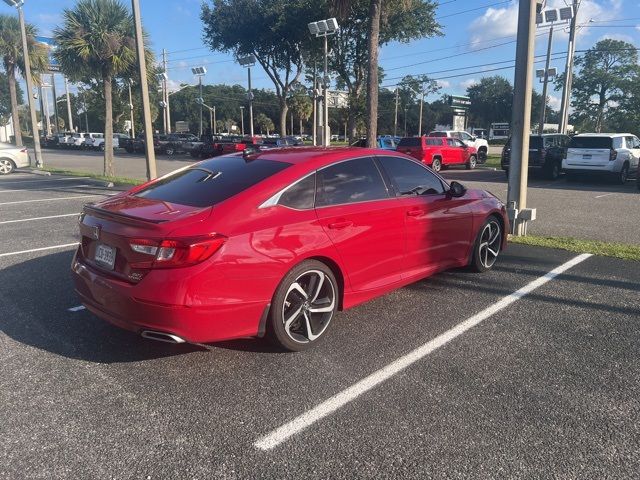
(276, 242)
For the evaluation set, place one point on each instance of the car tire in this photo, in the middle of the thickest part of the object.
(552, 171)
(169, 151)
(482, 155)
(292, 322)
(622, 177)
(471, 164)
(436, 165)
(101, 147)
(129, 150)
(6, 166)
(486, 248)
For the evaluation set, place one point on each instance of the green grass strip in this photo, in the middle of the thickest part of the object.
(596, 247)
(76, 173)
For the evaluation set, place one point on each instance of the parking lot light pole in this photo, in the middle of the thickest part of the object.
(521, 119)
(249, 61)
(150, 154)
(242, 119)
(324, 28)
(395, 120)
(200, 72)
(27, 67)
(133, 128)
(69, 116)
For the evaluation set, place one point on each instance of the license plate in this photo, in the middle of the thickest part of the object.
(105, 256)
(586, 156)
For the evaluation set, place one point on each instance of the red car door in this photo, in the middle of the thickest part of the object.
(363, 220)
(455, 153)
(438, 227)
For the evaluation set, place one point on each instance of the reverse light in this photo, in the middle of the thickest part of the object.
(172, 253)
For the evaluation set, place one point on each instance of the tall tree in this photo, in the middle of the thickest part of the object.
(275, 31)
(5, 98)
(96, 43)
(13, 61)
(606, 75)
(301, 106)
(264, 123)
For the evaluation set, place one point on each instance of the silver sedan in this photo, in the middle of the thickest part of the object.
(12, 157)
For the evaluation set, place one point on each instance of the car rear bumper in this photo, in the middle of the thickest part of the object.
(610, 167)
(116, 302)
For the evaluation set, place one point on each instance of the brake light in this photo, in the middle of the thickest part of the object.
(172, 253)
(613, 154)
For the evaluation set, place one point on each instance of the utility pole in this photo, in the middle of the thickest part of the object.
(150, 154)
(405, 121)
(133, 128)
(395, 121)
(326, 134)
(55, 101)
(250, 95)
(568, 71)
(201, 100)
(215, 128)
(166, 90)
(46, 110)
(242, 119)
(165, 122)
(543, 112)
(69, 116)
(521, 119)
(420, 120)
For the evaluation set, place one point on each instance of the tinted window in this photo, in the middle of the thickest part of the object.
(434, 141)
(591, 142)
(411, 178)
(454, 142)
(410, 142)
(387, 143)
(212, 182)
(300, 195)
(348, 182)
(535, 141)
(438, 134)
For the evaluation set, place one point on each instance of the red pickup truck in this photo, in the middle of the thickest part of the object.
(439, 151)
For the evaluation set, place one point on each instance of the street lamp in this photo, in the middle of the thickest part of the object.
(249, 61)
(324, 28)
(212, 115)
(27, 67)
(242, 118)
(162, 78)
(133, 129)
(200, 72)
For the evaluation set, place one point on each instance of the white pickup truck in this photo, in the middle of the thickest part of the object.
(482, 146)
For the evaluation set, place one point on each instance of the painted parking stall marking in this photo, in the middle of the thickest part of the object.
(58, 198)
(41, 249)
(76, 309)
(334, 403)
(33, 219)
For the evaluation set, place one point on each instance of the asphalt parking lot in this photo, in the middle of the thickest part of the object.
(512, 373)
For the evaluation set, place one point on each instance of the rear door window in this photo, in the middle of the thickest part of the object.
(617, 143)
(591, 142)
(434, 141)
(410, 178)
(300, 195)
(211, 182)
(352, 181)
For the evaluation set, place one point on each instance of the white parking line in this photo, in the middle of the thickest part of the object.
(9, 182)
(47, 188)
(56, 198)
(39, 218)
(606, 195)
(76, 309)
(329, 406)
(42, 249)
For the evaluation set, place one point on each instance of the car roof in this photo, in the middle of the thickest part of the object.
(604, 135)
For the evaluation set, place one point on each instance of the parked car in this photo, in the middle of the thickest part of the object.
(178, 142)
(77, 139)
(438, 152)
(137, 145)
(233, 247)
(615, 154)
(546, 153)
(280, 142)
(385, 143)
(480, 144)
(97, 142)
(12, 157)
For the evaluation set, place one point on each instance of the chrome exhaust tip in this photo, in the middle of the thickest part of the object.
(161, 336)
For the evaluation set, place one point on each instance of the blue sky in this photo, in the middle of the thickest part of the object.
(484, 33)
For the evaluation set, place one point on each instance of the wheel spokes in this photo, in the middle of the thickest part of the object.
(314, 290)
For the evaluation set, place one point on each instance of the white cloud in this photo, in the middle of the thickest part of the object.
(617, 36)
(470, 82)
(444, 84)
(554, 102)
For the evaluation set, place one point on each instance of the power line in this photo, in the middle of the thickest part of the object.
(473, 9)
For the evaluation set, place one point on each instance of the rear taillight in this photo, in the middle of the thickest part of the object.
(613, 154)
(172, 253)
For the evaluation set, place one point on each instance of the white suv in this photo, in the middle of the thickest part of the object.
(616, 154)
(482, 146)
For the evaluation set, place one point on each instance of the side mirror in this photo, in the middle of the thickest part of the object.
(456, 190)
(473, 138)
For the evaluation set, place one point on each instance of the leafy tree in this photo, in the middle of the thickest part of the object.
(264, 123)
(301, 105)
(352, 59)
(491, 101)
(608, 72)
(419, 87)
(13, 61)
(5, 98)
(275, 31)
(96, 43)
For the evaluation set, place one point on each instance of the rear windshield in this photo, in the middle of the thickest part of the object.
(410, 142)
(591, 142)
(438, 134)
(212, 181)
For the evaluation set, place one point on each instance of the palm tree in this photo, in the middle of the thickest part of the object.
(96, 42)
(13, 59)
(301, 106)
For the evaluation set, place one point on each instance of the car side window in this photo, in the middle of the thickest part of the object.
(636, 142)
(617, 143)
(351, 181)
(465, 136)
(451, 142)
(300, 195)
(411, 178)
